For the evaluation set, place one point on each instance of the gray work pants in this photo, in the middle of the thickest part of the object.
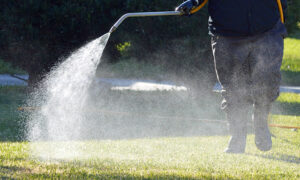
(248, 69)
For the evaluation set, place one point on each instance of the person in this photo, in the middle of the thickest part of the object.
(247, 45)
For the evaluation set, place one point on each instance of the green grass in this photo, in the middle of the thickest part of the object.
(289, 98)
(159, 158)
(286, 120)
(291, 61)
(291, 57)
(156, 157)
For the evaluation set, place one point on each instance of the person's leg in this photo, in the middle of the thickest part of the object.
(237, 117)
(266, 61)
(232, 68)
(263, 139)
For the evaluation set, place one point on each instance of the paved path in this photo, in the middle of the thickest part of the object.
(291, 89)
(7, 80)
(132, 84)
(140, 85)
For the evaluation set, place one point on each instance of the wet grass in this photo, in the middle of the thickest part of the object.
(158, 157)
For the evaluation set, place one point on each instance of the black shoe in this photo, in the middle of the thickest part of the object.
(237, 145)
(263, 139)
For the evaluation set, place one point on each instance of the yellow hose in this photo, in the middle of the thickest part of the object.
(280, 10)
(199, 7)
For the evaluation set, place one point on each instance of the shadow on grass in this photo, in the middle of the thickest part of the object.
(281, 157)
(290, 78)
(12, 168)
(8, 172)
(2, 158)
(295, 35)
(281, 108)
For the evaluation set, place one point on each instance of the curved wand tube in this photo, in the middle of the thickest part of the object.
(143, 14)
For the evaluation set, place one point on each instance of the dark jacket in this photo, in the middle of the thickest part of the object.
(242, 17)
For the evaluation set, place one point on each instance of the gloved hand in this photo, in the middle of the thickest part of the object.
(186, 7)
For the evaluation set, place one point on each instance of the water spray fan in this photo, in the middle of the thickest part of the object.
(145, 14)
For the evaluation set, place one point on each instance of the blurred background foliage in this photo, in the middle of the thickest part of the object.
(293, 16)
(37, 34)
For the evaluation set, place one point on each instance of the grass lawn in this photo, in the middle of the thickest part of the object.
(161, 157)
(291, 61)
(179, 150)
(291, 55)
